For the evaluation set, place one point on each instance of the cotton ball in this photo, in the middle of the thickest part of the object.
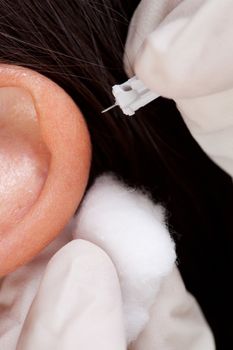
(131, 229)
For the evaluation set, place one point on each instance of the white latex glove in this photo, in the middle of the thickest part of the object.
(80, 299)
(184, 50)
(18, 289)
(78, 304)
(176, 321)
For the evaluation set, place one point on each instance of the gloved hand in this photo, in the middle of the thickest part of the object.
(176, 321)
(187, 46)
(183, 50)
(77, 296)
(78, 306)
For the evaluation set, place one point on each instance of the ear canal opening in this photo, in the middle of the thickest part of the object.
(24, 157)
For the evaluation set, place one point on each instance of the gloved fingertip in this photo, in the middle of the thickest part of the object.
(78, 304)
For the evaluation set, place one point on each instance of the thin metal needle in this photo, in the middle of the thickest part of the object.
(111, 107)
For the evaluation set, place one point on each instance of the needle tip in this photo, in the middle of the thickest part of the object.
(108, 109)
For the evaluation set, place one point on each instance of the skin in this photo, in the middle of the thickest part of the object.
(50, 133)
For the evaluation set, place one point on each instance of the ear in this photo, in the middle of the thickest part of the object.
(44, 163)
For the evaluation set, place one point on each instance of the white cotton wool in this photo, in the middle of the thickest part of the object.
(130, 228)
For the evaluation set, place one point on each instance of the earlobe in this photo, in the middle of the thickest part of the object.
(45, 158)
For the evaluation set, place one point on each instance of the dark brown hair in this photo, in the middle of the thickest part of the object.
(79, 44)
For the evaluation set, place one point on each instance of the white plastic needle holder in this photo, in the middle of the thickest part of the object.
(131, 95)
